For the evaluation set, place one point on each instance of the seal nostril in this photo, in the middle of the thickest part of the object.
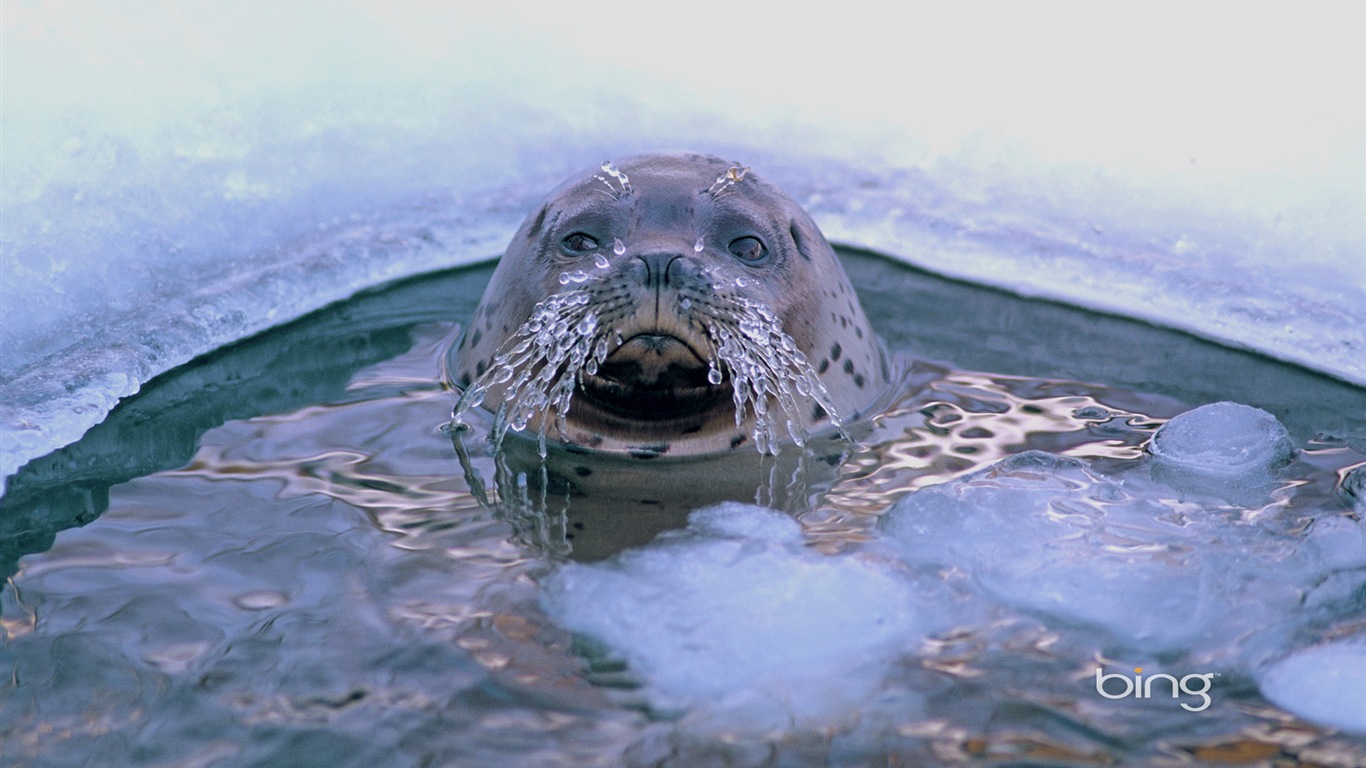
(657, 266)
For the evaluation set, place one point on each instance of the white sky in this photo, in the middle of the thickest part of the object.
(1246, 86)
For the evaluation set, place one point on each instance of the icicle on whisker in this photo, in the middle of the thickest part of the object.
(541, 364)
(765, 365)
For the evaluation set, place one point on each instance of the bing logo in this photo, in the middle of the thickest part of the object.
(1141, 687)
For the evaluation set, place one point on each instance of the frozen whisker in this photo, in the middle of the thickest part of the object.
(540, 365)
(733, 175)
(766, 369)
(622, 187)
(570, 334)
(611, 191)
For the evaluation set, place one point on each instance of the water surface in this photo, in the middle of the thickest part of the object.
(274, 555)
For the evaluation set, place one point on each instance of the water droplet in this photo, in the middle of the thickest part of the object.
(685, 303)
(621, 178)
(564, 278)
(698, 246)
(601, 261)
(741, 282)
(475, 399)
(618, 247)
(714, 376)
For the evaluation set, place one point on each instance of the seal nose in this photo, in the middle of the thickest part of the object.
(657, 267)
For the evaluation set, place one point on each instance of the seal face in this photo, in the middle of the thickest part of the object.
(670, 305)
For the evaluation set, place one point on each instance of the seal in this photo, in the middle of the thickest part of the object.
(668, 305)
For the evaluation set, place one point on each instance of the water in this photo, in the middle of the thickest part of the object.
(275, 555)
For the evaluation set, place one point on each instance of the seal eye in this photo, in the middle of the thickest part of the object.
(748, 249)
(578, 244)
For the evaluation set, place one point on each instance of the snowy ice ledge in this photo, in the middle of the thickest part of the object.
(163, 196)
(64, 376)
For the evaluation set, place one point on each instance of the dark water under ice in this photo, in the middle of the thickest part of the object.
(273, 556)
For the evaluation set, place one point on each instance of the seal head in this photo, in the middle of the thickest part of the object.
(671, 304)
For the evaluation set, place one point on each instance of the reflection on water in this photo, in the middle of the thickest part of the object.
(279, 556)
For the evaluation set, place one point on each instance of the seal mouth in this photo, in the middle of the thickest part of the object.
(654, 377)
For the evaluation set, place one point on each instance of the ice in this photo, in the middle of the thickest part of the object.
(1223, 440)
(1228, 449)
(1354, 488)
(1339, 543)
(1152, 568)
(182, 177)
(735, 621)
(735, 613)
(1325, 684)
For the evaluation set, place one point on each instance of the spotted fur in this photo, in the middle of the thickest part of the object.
(684, 212)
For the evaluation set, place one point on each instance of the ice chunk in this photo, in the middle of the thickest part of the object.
(986, 517)
(736, 607)
(1049, 536)
(1354, 488)
(1223, 440)
(738, 521)
(1337, 542)
(1325, 684)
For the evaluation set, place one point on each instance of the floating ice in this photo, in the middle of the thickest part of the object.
(1354, 488)
(739, 623)
(1223, 439)
(735, 607)
(1325, 684)
(1049, 536)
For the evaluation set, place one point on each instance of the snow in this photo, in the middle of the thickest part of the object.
(176, 177)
